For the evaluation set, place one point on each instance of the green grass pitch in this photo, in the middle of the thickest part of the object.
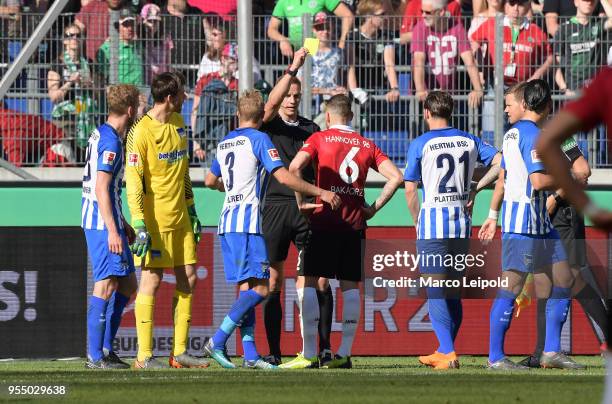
(372, 380)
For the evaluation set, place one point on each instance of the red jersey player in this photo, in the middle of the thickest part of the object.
(341, 158)
(594, 107)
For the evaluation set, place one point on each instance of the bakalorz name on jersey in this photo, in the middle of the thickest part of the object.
(448, 145)
(451, 198)
(347, 140)
(347, 190)
(172, 156)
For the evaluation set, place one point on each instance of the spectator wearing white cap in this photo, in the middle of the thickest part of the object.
(326, 62)
(130, 53)
(157, 42)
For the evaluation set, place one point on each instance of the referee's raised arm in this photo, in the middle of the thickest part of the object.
(282, 86)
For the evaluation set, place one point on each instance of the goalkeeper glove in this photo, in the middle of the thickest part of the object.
(142, 244)
(195, 223)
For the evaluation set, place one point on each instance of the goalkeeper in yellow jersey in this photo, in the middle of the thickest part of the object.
(167, 228)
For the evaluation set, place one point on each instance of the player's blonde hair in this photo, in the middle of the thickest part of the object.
(120, 97)
(251, 106)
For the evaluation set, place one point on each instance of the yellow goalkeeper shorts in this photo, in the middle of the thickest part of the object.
(169, 249)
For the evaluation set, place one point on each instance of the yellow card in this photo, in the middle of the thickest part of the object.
(312, 44)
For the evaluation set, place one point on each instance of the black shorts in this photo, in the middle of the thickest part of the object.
(282, 223)
(570, 226)
(336, 255)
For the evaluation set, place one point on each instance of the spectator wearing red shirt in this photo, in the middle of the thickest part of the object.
(441, 40)
(226, 9)
(229, 66)
(93, 19)
(414, 11)
(31, 139)
(527, 55)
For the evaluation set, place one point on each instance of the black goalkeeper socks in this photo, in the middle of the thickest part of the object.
(592, 305)
(326, 312)
(273, 317)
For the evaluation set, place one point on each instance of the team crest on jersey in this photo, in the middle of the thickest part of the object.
(181, 132)
(274, 154)
(108, 157)
(535, 158)
(132, 159)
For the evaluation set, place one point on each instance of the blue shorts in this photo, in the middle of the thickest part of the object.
(531, 253)
(433, 255)
(104, 262)
(244, 256)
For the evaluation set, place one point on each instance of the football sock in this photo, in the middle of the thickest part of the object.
(273, 318)
(455, 308)
(247, 333)
(592, 305)
(181, 307)
(143, 311)
(608, 386)
(500, 318)
(246, 300)
(541, 324)
(310, 320)
(300, 296)
(351, 307)
(326, 312)
(440, 318)
(556, 313)
(114, 311)
(96, 325)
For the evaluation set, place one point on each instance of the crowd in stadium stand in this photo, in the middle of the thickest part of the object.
(363, 46)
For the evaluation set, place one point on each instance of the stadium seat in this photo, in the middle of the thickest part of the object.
(393, 143)
(186, 112)
(17, 104)
(46, 107)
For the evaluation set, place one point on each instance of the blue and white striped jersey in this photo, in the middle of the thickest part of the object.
(444, 160)
(245, 159)
(523, 208)
(104, 153)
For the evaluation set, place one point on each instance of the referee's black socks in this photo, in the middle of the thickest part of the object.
(593, 306)
(273, 318)
(326, 312)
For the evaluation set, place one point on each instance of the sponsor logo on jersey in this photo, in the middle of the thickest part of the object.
(132, 159)
(535, 158)
(172, 156)
(274, 154)
(108, 157)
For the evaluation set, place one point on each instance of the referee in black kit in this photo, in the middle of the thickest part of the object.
(570, 225)
(282, 221)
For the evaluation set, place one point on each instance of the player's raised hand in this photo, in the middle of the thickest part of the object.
(487, 231)
(143, 240)
(331, 198)
(115, 243)
(299, 57)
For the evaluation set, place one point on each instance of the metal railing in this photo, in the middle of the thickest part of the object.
(59, 97)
